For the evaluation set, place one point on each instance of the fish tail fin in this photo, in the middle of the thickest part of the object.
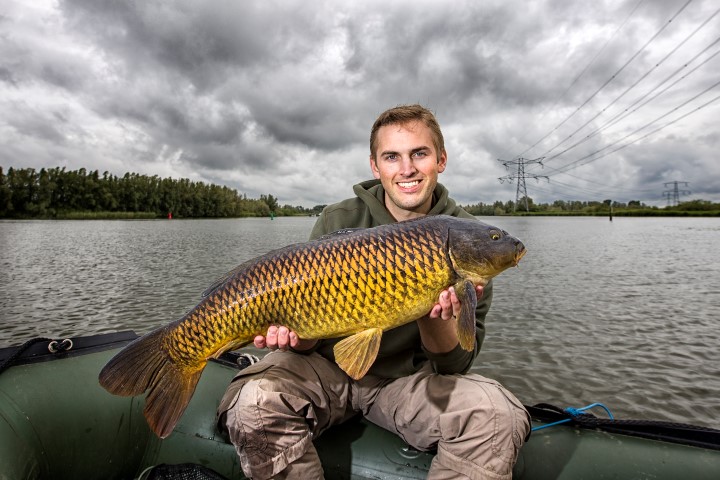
(168, 398)
(144, 365)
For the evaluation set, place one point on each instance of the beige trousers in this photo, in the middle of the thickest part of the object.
(273, 410)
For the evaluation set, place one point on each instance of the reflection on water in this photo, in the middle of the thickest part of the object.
(621, 312)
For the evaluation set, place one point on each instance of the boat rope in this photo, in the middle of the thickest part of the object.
(54, 346)
(683, 433)
(574, 414)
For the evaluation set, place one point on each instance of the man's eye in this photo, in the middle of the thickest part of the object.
(420, 154)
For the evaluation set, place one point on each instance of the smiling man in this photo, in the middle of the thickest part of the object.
(418, 387)
(407, 158)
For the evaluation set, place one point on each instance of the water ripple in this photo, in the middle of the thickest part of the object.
(621, 312)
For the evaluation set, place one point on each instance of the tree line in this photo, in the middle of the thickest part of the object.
(605, 207)
(60, 193)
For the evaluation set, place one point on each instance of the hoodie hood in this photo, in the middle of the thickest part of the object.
(367, 209)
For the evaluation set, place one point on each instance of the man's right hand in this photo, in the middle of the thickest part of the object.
(282, 338)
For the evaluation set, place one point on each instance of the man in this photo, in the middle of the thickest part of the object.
(418, 387)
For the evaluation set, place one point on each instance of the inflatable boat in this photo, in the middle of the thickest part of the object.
(57, 422)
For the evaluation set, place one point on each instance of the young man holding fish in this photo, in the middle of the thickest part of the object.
(418, 387)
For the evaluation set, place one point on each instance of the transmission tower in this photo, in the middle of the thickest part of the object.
(520, 176)
(673, 196)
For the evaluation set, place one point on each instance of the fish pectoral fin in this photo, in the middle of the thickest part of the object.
(465, 291)
(355, 354)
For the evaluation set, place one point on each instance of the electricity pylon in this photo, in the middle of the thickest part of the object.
(675, 193)
(520, 176)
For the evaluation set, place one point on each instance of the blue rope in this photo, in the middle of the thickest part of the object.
(574, 412)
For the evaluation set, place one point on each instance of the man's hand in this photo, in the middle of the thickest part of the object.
(448, 305)
(439, 335)
(282, 338)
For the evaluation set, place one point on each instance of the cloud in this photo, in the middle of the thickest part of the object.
(278, 97)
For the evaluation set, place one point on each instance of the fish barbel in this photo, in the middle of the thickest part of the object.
(354, 283)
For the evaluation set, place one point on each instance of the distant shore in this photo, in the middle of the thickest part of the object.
(79, 215)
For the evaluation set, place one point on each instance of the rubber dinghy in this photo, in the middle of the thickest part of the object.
(57, 422)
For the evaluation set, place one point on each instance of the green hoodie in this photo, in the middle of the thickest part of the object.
(401, 352)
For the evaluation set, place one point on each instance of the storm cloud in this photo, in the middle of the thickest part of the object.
(278, 97)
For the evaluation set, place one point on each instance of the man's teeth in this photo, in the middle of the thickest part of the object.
(408, 184)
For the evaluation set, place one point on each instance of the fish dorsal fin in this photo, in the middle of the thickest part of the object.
(339, 233)
(465, 291)
(221, 281)
(355, 354)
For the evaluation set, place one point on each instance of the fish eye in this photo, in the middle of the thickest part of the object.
(495, 235)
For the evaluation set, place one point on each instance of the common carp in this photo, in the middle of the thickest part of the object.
(354, 283)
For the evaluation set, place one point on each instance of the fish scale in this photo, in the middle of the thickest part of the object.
(324, 276)
(354, 284)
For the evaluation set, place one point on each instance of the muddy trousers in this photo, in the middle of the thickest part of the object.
(273, 410)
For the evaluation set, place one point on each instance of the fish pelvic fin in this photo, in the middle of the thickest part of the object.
(144, 366)
(355, 354)
(465, 291)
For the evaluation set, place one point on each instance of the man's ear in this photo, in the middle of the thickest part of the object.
(374, 168)
(442, 161)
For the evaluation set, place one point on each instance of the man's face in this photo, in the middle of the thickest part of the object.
(407, 165)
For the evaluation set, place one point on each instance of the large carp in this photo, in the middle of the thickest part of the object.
(355, 283)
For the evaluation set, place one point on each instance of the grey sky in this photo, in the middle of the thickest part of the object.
(278, 96)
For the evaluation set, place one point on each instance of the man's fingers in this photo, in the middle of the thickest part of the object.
(436, 311)
(283, 338)
(455, 302)
(445, 303)
(449, 305)
(277, 338)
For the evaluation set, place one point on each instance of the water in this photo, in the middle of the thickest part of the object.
(624, 312)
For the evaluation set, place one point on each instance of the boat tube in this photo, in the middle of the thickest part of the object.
(57, 422)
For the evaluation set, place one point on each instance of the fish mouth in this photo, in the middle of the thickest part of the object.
(520, 253)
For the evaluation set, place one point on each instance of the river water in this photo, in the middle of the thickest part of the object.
(625, 313)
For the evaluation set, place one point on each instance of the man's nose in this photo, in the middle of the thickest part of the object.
(407, 167)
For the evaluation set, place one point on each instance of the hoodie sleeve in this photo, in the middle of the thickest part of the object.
(459, 360)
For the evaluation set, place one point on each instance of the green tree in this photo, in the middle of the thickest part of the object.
(270, 201)
(5, 195)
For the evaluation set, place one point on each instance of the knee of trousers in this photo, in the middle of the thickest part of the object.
(266, 411)
(487, 428)
(279, 400)
(270, 429)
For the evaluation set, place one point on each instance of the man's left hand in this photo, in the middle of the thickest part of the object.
(448, 305)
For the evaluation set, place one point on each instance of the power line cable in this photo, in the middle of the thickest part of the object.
(613, 191)
(627, 112)
(643, 77)
(568, 189)
(610, 187)
(577, 78)
(577, 163)
(607, 82)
